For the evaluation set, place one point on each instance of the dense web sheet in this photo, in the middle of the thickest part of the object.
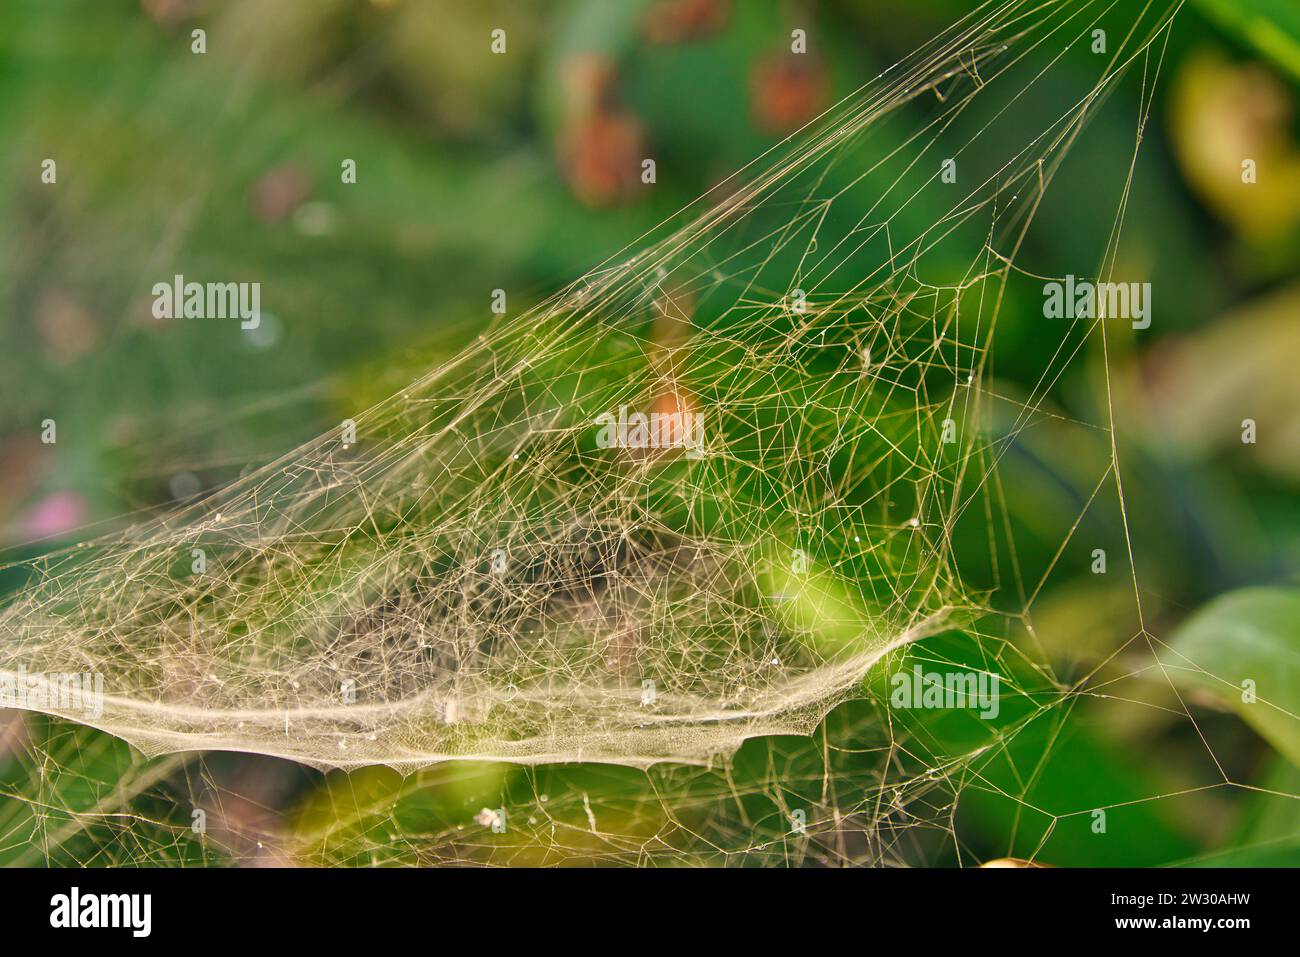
(504, 561)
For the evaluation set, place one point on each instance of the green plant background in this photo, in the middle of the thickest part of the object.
(228, 164)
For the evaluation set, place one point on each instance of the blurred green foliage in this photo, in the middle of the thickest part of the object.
(470, 180)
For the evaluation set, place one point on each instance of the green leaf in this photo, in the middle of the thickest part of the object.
(1285, 854)
(1270, 26)
(1252, 635)
(1270, 814)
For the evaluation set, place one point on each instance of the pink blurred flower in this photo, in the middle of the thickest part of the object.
(55, 514)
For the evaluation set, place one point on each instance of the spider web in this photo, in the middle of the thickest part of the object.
(469, 572)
